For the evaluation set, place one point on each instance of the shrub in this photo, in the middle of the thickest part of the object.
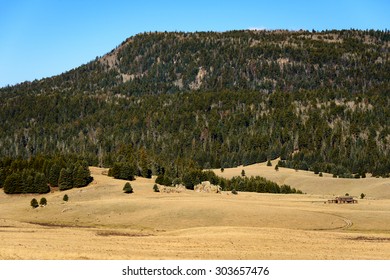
(222, 169)
(234, 191)
(65, 198)
(269, 163)
(43, 201)
(155, 188)
(128, 188)
(347, 194)
(34, 203)
(320, 174)
(276, 167)
(164, 180)
(362, 195)
(243, 173)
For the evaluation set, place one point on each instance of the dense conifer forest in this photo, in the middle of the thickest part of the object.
(166, 103)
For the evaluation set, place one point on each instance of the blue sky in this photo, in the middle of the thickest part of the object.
(42, 38)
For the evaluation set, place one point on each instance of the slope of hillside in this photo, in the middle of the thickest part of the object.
(210, 100)
(101, 222)
(265, 61)
(312, 184)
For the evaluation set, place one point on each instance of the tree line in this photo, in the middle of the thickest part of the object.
(39, 174)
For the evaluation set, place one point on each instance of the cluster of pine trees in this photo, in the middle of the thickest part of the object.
(258, 184)
(239, 183)
(38, 174)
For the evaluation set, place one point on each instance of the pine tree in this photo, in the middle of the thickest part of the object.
(54, 174)
(155, 188)
(65, 198)
(128, 188)
(11, 183)
(40, 184)
(80, 177)
(29, 185)
(127, 172)
(65, 179)
(43, 201)
(34, 203)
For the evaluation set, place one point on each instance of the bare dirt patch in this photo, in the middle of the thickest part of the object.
(118, 233)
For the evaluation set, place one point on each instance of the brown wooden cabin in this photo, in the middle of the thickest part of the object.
(343, 199)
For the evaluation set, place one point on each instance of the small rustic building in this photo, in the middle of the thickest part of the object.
(343, 199)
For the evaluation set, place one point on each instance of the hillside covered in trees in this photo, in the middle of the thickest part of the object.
(169, 102)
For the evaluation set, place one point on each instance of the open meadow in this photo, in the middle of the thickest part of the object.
(102, 222)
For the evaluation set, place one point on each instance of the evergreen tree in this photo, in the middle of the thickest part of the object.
(34, 203)
(12, 183)
(43, 201)
(81, 176)
(128, 188)
(65, 198)
(65, 181)
(54, 174)
(128, 172)
(155, 188)
(40, 184)
(2, 177)
(29, 184)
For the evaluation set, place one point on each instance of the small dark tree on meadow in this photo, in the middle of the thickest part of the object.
(234, 191)
(243, 173)
(128, 188)
(222, 169)
(362, 196)
(347, 194)
(65, 198)
(269, 163)
(276, 167)
(34, 203)
(43, 201)
(320, 174)
(155, 188)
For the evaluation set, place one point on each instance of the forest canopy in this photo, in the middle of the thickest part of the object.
(169, 102)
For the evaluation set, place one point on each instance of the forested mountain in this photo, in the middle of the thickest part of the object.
(174, 101)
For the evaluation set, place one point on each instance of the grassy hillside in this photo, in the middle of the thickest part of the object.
(102, 222)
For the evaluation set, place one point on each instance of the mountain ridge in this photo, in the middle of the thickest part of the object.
(140, 56)
(316, 99)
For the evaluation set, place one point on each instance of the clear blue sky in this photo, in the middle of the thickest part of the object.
(42, 38)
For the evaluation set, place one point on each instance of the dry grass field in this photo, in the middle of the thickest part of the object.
(101, 222)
